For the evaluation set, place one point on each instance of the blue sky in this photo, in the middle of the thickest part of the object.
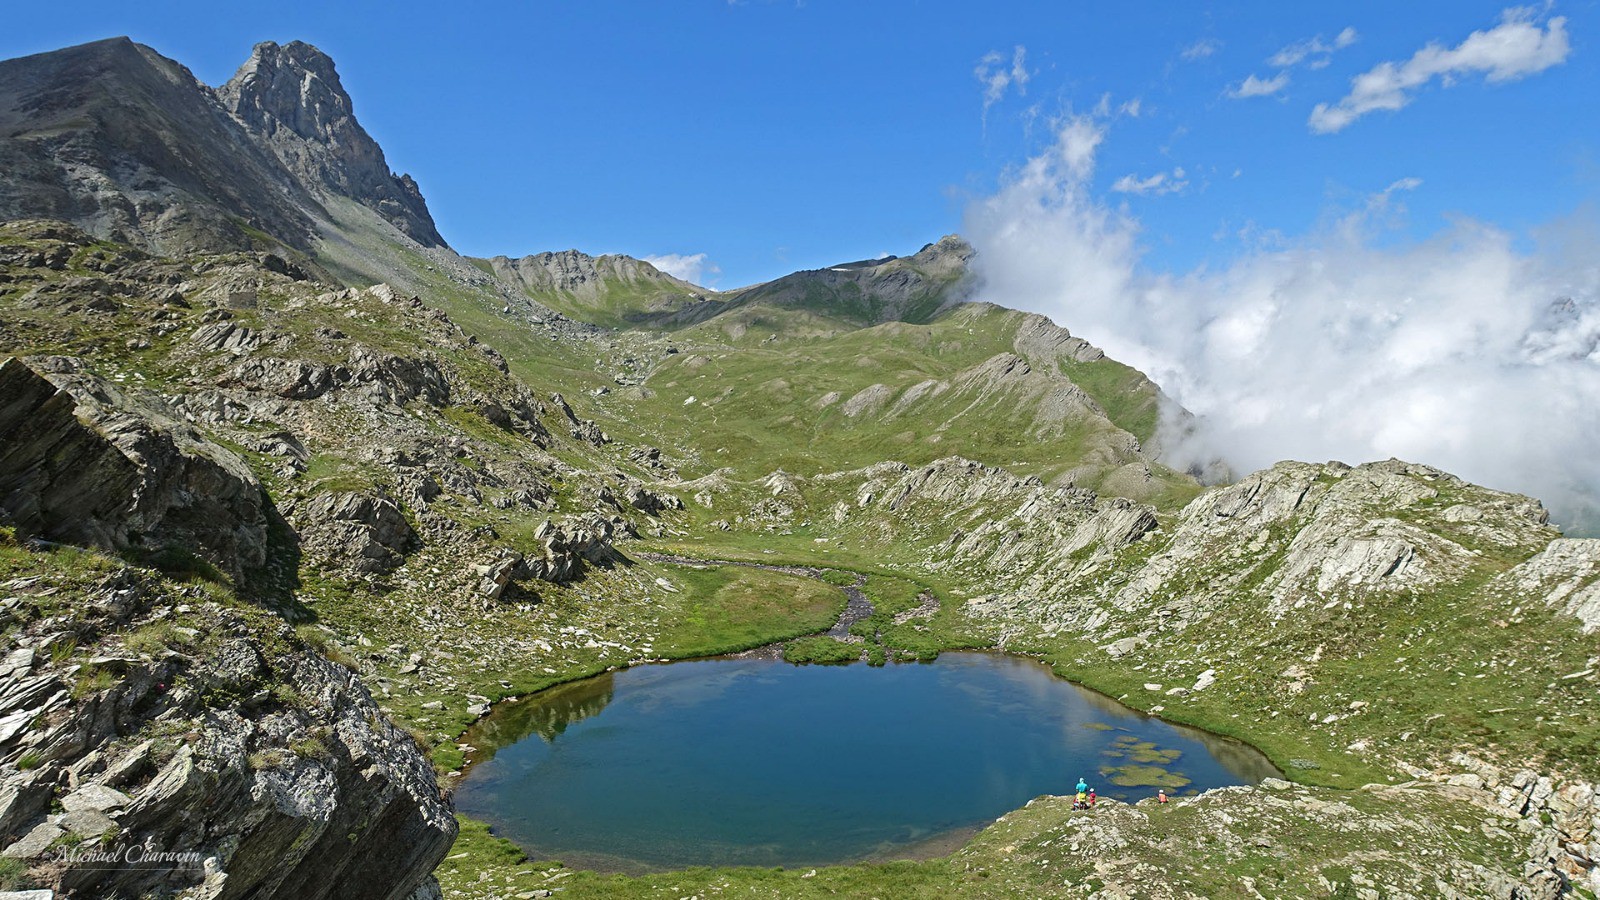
(783, 135)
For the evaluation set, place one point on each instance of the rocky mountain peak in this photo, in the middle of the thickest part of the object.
(155, 159)
(293, 86)
(290, 97)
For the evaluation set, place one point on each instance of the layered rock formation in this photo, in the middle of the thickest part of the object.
(82, 462)
(586, 278)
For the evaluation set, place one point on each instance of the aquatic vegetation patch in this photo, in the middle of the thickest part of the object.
(1133, 775)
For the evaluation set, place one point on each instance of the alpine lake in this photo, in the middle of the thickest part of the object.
(757, 762)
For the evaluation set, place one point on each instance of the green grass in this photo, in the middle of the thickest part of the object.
(728, 608)
(153, 639)
(822, 650)
(1129, 398)
(14, 875)
(757, 407)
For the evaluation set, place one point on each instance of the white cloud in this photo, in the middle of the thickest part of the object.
(996, 77)
(693, 268)
(1158, 184)
(1260, 87)
(1201, 49)
(1462, 351)
(1077, 140)
(1131, 108)
(1521, 45)
(1313, 52)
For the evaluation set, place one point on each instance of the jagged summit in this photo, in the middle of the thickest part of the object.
(127, 144)
(613, 289)
(290, 97)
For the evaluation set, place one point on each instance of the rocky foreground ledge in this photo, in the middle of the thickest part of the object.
(1439, 837)
(153, 740)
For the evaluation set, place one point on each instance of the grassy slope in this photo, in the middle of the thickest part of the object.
(759, 378)
(757, 370)
(618, 303)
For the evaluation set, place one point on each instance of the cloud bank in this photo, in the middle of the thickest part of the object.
(693, 268)
(1461, 351)
(1521, 45)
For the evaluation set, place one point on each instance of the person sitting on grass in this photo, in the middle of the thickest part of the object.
(1092, 798)
(1161, 795)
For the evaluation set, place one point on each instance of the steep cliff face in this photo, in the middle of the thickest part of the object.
(289, 98)
(83, 462)
(127, 144)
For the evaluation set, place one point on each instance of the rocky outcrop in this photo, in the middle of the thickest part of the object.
(358, 532)
(581, 429)
(648, 501)
(1566, 575)
(1304, 533)
(1563, 815)
(570, 544)
(83, 462)
(381, 378)
(564, 550)
(968, 517)
(585, 277)
(290, 99)
(266, 771)
(1039, 338)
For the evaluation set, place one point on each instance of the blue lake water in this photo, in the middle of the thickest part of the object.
(758, 762)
